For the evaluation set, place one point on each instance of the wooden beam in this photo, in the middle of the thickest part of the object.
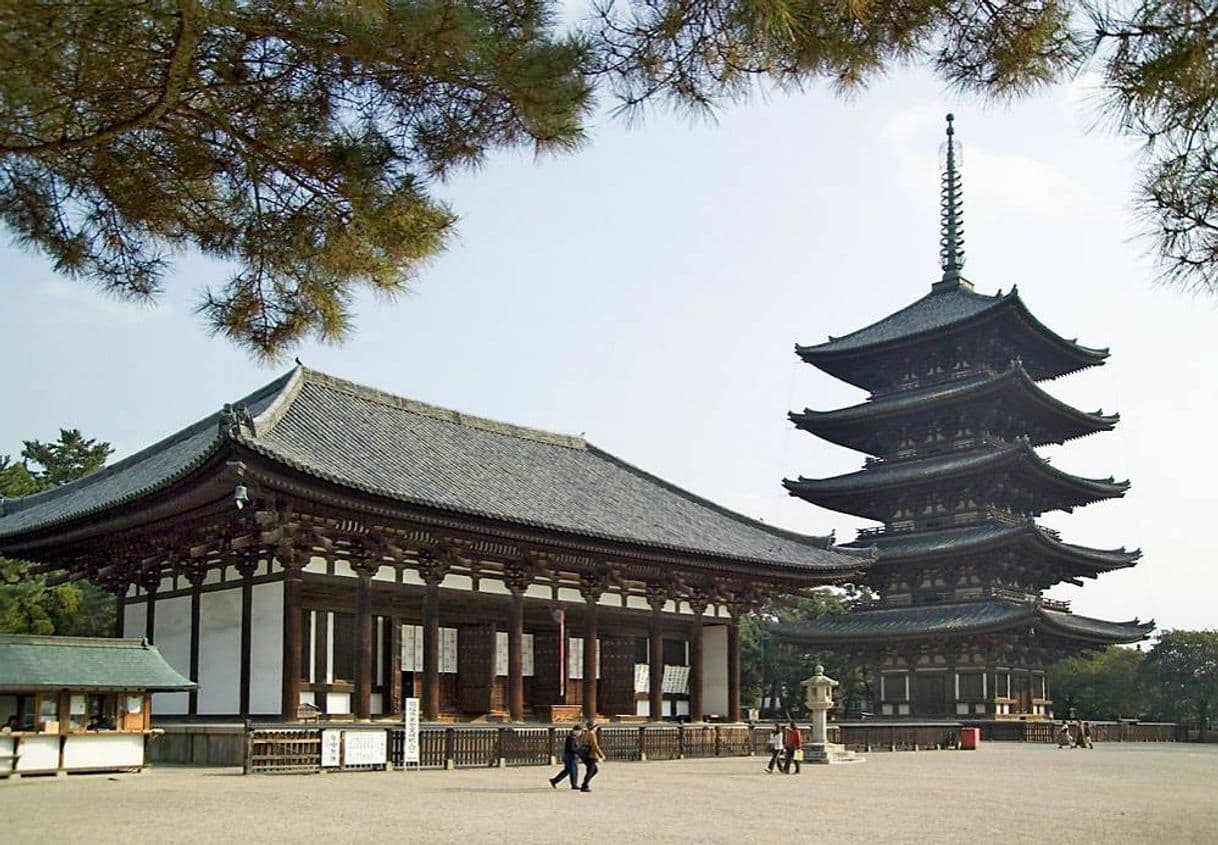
(293, 639)
(246, 569)
(363, 642)
(515, 667)
(733, 670)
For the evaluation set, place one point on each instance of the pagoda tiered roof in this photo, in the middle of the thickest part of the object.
(854, 426)
(865, 492)
(941, 314)
(358, 441)
(897, 549)
(936, 620)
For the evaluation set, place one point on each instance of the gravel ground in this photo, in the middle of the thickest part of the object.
(1005, 793)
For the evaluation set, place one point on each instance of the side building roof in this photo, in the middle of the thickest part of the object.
(399, 449)
(36, 662)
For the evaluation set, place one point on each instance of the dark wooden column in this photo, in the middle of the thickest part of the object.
(195, 575)
(515, 681)
(733, 669)
(119, 589)
(517, 577)
(246, 569)
(697, 681)
(393, 665)
(321, 662)
(432, 569)
(592, 586)
(363, 638)
(151, 581)
(591, 643)
(657, 597)
(293, 634)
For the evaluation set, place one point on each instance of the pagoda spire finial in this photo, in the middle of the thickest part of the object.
(951, 215)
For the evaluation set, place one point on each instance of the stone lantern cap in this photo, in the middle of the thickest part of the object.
(819, 680)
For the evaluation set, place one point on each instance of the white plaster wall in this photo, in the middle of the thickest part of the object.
(338, 702)
(637, 603)
(714, 669)
(493, 586)
(386, 573)
(133, 619)
(220, 652)
(537, 591)
(456, 582)
(343, 568)
(317, 565)
(266, 650)
(104, 751)
(173, 642)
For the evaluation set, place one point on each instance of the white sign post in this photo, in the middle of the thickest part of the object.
(410, 744)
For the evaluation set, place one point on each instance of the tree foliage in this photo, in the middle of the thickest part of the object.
(1181, 676)
(301, 141)
(772, 671)
(27, 604)
(296, 139)
(1102, 685)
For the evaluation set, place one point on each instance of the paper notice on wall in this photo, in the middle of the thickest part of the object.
(331, 747)
(676, 680)
(365, 748)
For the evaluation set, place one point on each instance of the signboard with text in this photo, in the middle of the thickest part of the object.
(410, 746)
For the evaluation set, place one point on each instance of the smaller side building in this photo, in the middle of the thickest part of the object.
(78, 704)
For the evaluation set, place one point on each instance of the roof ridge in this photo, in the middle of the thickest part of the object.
(414, 406)
(8, 506)
(87, 642)
(824, 542)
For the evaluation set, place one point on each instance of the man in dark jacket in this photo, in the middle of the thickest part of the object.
(571, 750)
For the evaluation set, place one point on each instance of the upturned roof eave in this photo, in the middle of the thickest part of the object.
(868, 480)
(897, 405)
(832, 352)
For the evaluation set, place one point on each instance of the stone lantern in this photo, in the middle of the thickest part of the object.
(818, 696)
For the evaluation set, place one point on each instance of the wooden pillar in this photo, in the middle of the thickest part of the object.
(591, 644)
(120, 611)
(363, 641)
(393, 665)
(246, 569)
(195, 576)
(515, 681)
(431, 652)
(697, 709)
(293, 636)
(150, 610)
(733, 670)
(656, 597)
(321, 661)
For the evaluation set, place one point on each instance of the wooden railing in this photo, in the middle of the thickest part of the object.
(298, 749)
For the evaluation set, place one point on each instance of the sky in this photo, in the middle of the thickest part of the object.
(647, 292)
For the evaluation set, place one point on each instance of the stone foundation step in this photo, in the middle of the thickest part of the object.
(829, 752)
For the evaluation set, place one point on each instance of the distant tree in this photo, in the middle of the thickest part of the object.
(772, 671)
(27, 604)
(1181, 675)
(1100, 685)
(298, 139)
(68, 459)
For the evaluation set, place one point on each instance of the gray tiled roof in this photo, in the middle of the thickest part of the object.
(404, 450)
(891, 475)
(936, 310)
(1100, 629)
(34, 662)
(915, 620)
(126, 480)
(939, 310)
(893, 548)
(956, 618)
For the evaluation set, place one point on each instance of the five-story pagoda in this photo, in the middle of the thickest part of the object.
(955, 415)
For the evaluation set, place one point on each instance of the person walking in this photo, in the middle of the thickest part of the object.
(774, 745)
(1063, 736)
(793, 743)
(1087, 735)
(570, 757)
(591, 755)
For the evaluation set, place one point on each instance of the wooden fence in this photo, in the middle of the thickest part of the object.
(298, 749)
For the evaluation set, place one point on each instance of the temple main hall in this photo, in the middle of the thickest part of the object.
(960, 627)
(326, 546)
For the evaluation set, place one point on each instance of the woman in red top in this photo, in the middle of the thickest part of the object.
(792, 741)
